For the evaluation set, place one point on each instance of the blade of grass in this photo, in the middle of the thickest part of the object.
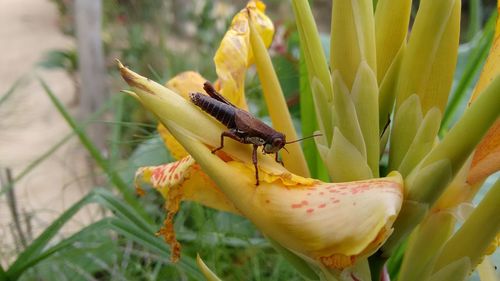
(35, 248)
(34, 252)
(116, 131)
(3, 274)
(475, 15)
(472, 68)
(147, 239)
(127, 229)
(12, 89)
(35, 163)
(113, 176)
(51, 150)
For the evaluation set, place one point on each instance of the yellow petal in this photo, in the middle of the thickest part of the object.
(175, 148)
(332, 223)
(486, 159)
(186, 82)
(234, 55)
(178, 181)
(182, 84)
(187, 176)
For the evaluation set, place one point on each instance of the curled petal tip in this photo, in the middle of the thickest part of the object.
(119, 63)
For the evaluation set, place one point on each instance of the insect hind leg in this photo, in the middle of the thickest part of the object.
(229, 134)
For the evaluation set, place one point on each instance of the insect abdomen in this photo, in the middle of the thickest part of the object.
(219, 110)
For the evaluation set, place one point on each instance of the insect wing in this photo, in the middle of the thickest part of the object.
(252, 126)
(209, 89)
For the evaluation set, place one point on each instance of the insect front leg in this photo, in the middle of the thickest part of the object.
(278, 160)
(229, 134)
(254, 160)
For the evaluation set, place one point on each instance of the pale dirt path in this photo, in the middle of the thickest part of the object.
(30, 125)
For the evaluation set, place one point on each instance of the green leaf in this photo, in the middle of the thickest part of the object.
(406, 123)
(346, 119)
(431, 55)
(352, 38)
(345, 161)
(422, 143)
(456, 271)
(387, 90)
(309, 124)
(365, 98)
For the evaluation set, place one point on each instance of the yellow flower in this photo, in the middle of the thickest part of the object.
(332, 223)
(373, 69)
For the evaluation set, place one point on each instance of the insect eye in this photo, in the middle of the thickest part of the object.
(277, 142)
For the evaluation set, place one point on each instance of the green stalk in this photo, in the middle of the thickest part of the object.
(276, 104)
(317, 67)
(113, 176)
(476, 234)
(432, 175)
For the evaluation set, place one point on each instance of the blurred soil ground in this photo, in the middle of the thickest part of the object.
(30, 125)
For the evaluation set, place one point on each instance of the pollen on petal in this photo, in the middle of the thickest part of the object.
(338, 261)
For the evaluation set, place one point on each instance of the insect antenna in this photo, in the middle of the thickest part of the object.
(316, 135)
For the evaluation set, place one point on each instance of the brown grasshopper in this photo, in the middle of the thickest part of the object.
(243, 127)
